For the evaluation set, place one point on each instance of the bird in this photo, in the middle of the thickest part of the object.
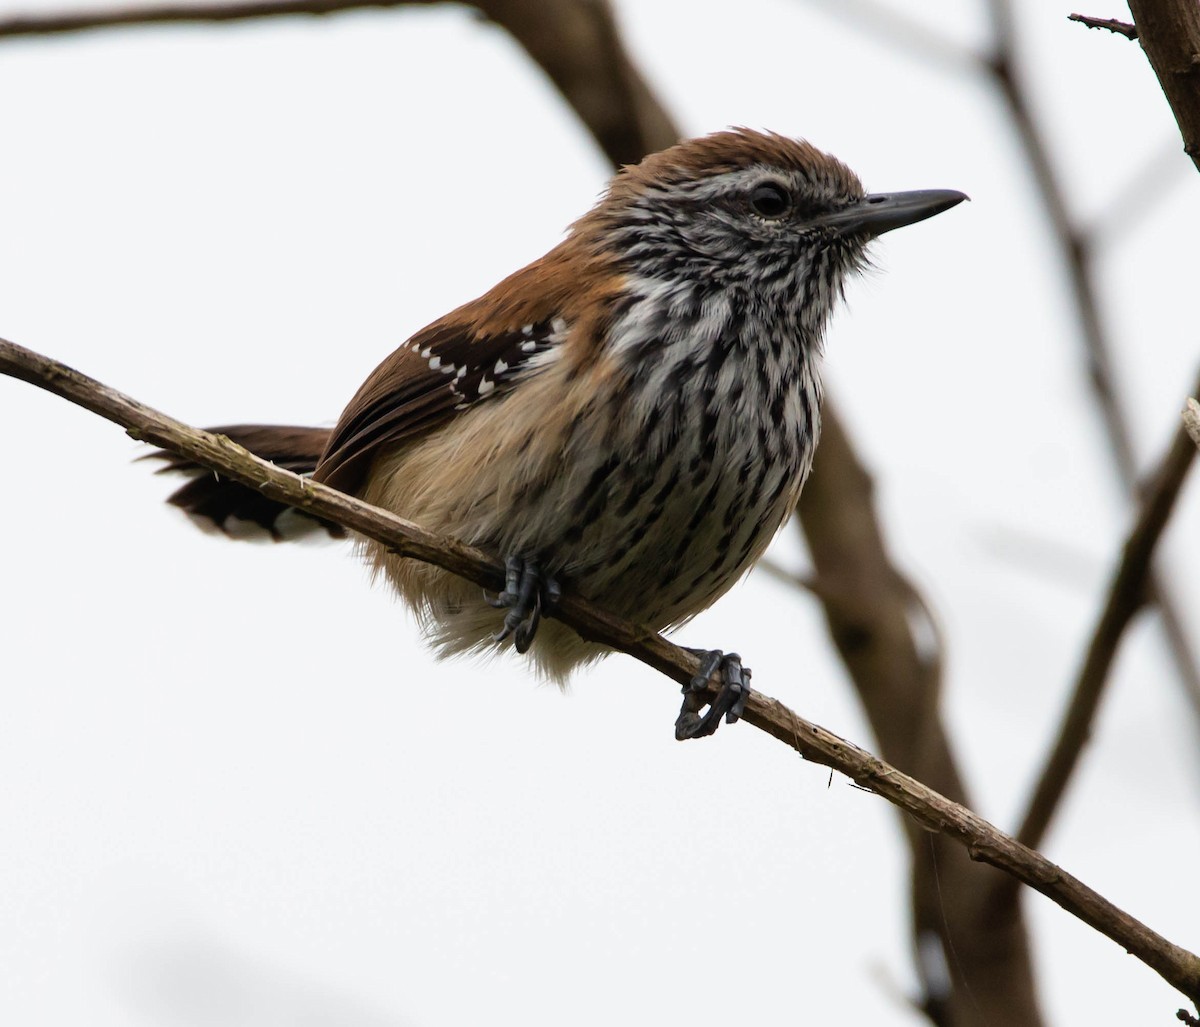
(630, 417)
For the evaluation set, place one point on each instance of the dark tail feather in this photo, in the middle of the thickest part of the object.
(225, 502)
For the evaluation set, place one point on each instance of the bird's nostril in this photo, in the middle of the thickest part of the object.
(876, 199)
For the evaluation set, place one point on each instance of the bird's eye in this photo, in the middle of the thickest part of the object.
(770, 200)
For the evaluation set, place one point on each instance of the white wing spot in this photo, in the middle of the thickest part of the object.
(486, 386)
(461, 372)
(435, 363)
(500, 368)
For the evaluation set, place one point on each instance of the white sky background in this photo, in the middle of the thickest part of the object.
(236, 790)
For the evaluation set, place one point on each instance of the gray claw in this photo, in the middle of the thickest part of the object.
(729, 703)
(526, 593)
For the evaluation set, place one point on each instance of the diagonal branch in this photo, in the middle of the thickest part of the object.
(934, 812)
(1126, 597)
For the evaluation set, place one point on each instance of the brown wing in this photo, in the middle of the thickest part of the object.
(445, 368)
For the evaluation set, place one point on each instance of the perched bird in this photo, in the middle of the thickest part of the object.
(630, 417)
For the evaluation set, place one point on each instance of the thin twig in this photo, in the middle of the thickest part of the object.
(772, 569)
(79, 21)
(1126, 596)
(1121, 28)
(984, 842)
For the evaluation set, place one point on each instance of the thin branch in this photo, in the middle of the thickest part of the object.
(79, 21)
(1121, 28)
(1126, 596)
(934, 812)
(772, 569)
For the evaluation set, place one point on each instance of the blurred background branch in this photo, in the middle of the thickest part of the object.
(1127, 594)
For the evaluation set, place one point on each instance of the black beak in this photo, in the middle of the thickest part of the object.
(881, 212)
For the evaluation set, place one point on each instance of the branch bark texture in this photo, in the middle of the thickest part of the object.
(1169, 31)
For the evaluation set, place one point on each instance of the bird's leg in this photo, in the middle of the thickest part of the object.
(527, 591)
(730, 701)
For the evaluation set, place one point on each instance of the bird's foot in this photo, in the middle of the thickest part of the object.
(527, 592)
(730, 701)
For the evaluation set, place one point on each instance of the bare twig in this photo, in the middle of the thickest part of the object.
(1126, 596)
(778, 572)
(1121, 28)
(79, 21)
(934, 812)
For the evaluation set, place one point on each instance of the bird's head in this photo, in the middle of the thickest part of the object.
(771, 217)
